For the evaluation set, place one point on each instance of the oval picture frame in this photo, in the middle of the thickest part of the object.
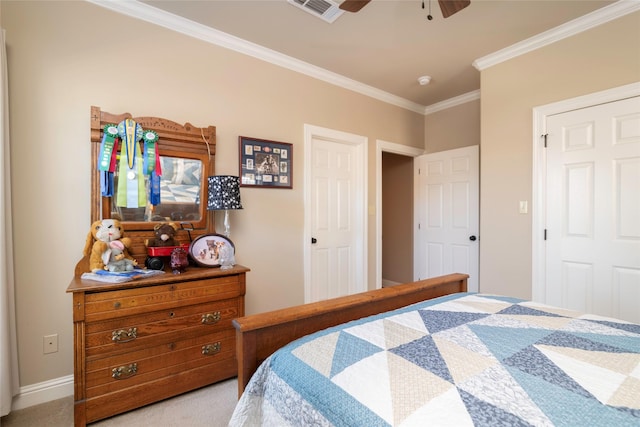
(204, 249)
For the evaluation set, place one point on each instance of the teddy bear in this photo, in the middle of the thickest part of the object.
(164, 235)
(101, 245)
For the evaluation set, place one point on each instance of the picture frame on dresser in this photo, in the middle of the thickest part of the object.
(205, 250)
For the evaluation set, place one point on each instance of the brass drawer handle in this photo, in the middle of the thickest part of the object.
(211, 349)
(211, 318)
(124, 335)
(124, 372)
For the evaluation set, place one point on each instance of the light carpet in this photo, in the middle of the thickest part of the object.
(210, 406)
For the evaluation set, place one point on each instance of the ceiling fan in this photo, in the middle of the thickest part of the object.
(448, 7)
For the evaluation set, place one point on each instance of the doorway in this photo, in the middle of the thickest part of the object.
(397, 219)
(383, 148)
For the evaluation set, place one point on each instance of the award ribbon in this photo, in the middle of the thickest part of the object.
(158, 163)
(106, 146)
(131, 133)
(140, 191)
(107, 158)
(154, 189)
(152, 165)
(106, 177)
(150, 150)
(106, 183)
(155, 181)
(131, 192)
(114, 156)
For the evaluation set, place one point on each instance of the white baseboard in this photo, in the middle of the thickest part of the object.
(386, 283)
(43, 392)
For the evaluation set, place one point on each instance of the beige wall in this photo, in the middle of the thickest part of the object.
(454, 127)
(65, 57)
(601, 58)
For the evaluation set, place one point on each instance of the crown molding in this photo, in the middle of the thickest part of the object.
(145, 12)
(576, 26)
(452, 102)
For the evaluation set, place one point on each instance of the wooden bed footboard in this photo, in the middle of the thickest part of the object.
(259, 335)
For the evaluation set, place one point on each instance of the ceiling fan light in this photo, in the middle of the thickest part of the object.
(424, 80)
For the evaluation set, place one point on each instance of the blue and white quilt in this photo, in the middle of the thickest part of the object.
(460, 360)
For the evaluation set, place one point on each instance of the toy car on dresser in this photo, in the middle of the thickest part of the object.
(165, 247)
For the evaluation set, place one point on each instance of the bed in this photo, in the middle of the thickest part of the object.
(430, 353)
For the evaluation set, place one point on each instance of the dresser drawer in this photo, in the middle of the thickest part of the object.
(130, 332)
(127, 302)
(107, 405)
(148, 364)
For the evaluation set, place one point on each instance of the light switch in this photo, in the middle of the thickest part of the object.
(524, 207)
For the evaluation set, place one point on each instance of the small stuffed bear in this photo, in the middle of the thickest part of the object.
(164, 235)
(106, 244)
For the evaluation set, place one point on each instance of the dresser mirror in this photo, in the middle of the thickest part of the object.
(181, 192)
(186, 156)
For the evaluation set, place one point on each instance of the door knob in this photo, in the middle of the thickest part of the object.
(472, 238)
(314, 240)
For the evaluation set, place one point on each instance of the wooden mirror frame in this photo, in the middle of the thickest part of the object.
(175, 140)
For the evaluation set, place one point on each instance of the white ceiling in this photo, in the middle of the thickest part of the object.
(389, 43)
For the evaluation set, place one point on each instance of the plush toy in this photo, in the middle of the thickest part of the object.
(164, 235)
(101, 245)
(114, 258)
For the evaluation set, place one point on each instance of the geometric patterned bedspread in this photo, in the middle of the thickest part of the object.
(459, 360)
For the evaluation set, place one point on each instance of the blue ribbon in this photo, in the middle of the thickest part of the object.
(154, 189)
(106, 183)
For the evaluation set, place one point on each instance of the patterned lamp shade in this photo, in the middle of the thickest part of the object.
(224, 193)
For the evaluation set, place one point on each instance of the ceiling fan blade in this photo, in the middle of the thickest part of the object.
(449, 7)
(353, 5)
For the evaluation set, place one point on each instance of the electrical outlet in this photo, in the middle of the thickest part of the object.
(50, 343)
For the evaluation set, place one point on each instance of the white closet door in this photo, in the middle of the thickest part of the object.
(593, 209)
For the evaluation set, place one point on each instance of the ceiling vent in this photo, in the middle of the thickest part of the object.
(326, 10)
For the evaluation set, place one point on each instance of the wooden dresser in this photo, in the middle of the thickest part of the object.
(149, 339)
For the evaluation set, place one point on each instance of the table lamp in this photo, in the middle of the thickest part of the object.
(224, 194)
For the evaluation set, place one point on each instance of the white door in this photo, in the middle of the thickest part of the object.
(593, 209)
(448, 214)
(336, 214)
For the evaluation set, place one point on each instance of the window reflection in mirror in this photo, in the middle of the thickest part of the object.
(180, 193)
